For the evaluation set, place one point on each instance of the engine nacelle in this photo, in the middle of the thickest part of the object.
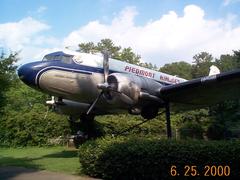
(132, 86)
(68, 107)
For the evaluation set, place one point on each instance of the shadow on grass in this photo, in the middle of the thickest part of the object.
(63, 154)
(11, 167)
(23, 162)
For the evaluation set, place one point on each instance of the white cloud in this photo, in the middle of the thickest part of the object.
(25, 36)
(171, 37)
(17, 34)
(41, 9)
(227, 2)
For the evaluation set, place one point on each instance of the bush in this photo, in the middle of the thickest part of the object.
(191, 130)
(24, 122)
(135, 158)
(31, 128)
(114, 124)
(217, 131)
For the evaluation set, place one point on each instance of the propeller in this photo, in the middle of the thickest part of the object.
(103, 86)
(105, 65)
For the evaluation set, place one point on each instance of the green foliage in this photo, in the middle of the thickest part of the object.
(202, 63)
(216, 131)
(107, 44)
(225, 116)
(25, 122)
(87, 47)
(148, 65)
(180, 69)
(129, 56)
(7, 74)
(113, 125)
(226, 63)
(104, 44)
(191, 130)
(116, 52)
(136, 158)
(236, 58)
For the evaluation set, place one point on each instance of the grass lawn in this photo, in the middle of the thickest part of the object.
(58, 159)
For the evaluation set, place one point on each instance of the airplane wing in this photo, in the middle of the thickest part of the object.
(204, 91)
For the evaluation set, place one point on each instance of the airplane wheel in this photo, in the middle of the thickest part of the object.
(85, 117)
(149, 112)
(87, 124)
(74, 126)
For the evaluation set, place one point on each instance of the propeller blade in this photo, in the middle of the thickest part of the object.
(105, 73)
(105, 65)
(94, 103)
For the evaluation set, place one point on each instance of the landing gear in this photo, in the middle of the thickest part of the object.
(82, 129)
(87, 125)
(168, 120)
(149, 112)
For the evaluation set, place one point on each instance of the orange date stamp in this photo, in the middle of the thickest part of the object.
(207, 170)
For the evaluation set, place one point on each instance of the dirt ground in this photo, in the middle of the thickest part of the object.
(20, 173)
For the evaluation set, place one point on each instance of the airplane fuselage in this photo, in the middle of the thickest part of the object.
(73, 77)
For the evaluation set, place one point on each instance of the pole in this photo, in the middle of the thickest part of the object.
(168, 121)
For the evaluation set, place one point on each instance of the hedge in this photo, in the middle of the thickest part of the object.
(135, 158)
(30, 128)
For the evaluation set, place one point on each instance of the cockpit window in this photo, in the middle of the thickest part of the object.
(49, 58)
(64, 58)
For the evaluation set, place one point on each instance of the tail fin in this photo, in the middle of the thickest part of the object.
(214, 70)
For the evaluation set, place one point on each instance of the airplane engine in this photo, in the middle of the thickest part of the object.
(131, 86)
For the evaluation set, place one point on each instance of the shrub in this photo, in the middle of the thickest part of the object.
(31, 128)
(114, 124)
(217, 131)
(23, 120)
(191, 130)
(135, 158)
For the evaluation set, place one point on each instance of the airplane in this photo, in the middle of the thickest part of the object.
(86, 85)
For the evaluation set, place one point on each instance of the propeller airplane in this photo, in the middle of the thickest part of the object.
(87, 85)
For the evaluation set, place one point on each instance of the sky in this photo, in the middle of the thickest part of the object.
(160, 31)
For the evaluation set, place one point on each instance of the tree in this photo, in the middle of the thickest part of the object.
(226, 62)
(129, 56)
(87, 47)
(202, 63)
(7, 74)
(236, 57)
(116, 52)
(225, 115)
(180, 69)
(25, 120)
(107, 44)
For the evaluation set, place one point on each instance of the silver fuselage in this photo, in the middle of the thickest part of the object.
(74, 79)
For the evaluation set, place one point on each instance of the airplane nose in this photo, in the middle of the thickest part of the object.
(27, 74)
